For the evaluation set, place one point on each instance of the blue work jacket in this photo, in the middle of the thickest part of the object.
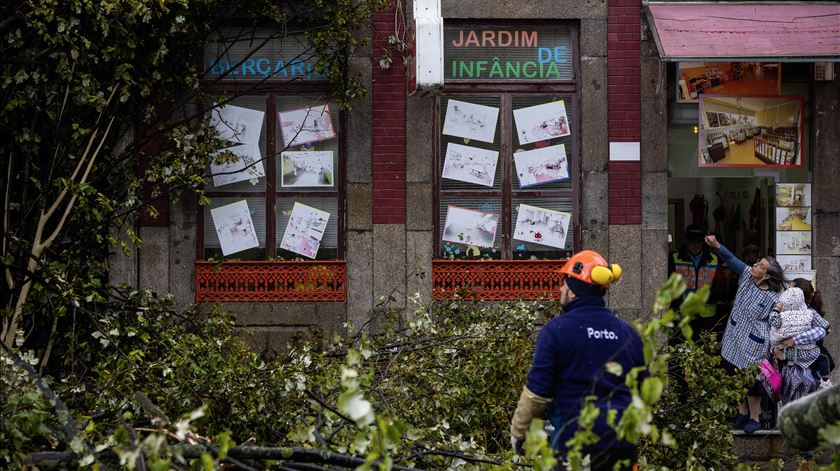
(571, 352)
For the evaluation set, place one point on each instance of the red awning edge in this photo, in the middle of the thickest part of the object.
(754, 31)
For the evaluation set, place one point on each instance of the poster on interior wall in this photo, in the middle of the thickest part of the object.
(234, 227)
(792, 263)
(246, 166)
(470, 164)
(541, 122)
(539, 166)
(305, 125)
(793, 219)
(305, 230)
(306, 169)
(793, 243)
(237, 124)
(541, 226)
(750, 131)
(470, 121)
(470, 227)
(757, 78)
(793, 194)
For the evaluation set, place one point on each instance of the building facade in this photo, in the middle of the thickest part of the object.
(559, 126)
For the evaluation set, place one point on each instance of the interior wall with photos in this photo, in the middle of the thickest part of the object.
(739, 193)
(684, 143)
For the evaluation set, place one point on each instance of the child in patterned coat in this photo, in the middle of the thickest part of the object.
(790, 318)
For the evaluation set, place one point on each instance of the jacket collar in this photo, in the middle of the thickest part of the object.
(705, 256)
(584, 303)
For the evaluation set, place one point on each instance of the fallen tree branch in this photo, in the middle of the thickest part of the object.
(68, 424)
(297, 456)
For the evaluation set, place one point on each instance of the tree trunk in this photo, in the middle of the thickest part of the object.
(801, 420)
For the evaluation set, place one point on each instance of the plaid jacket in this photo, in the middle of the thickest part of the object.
(805, 358)
(747, 336)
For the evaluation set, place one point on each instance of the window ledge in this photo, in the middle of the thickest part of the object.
(278, 281)
(497, 280)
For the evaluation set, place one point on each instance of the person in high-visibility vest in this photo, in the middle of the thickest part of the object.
(700, 267)
(696, 264)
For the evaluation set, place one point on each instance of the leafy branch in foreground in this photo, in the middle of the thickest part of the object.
(435, 393)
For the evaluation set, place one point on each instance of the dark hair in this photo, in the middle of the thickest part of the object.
(813, 298)
(775, 275)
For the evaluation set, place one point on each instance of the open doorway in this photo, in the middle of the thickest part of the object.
(739, 211)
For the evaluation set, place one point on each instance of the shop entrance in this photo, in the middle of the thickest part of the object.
(739, 211)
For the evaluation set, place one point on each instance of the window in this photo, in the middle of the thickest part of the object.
(302, 174)
(513, 195)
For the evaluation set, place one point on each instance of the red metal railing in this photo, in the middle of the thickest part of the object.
(271, 281)
(496, 280)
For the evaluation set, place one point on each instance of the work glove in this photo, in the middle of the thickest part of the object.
(529, 406)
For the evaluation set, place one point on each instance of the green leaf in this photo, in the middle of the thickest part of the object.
(614, 368)
(652, 389)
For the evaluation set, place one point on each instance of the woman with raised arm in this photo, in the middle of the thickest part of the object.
(746, 340)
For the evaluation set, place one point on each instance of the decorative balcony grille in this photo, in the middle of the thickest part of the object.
(496, 280)
(271, 281)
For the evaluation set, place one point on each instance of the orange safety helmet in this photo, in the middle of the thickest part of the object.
(590, 267)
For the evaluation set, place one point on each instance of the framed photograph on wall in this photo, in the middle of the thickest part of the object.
(237, 124)
(793, 243)
(696, 78)
(792, 263)
(751, 131)
(796, 218)
(793, 194)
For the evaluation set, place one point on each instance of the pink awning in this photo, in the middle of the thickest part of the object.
(781, 31)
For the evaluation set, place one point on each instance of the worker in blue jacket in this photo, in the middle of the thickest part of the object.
(569, 364)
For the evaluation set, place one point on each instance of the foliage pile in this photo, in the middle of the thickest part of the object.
(453, 374)
(436, 393)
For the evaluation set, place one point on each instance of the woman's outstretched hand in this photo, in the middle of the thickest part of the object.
(712, 242)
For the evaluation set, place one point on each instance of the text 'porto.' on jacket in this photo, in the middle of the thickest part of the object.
(569, 364)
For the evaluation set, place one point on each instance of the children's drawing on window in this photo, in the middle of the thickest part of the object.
(234, 227)
(247, 166)
(470, 227)
(470, 121)
(470, 164)
(539, 166)
(541, 226)
(541, 122)
(305, 230)
(238, 124)
(305, 125)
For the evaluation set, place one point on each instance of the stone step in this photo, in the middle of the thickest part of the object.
(769, 444)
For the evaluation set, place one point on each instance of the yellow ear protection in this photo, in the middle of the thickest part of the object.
(603, 276)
